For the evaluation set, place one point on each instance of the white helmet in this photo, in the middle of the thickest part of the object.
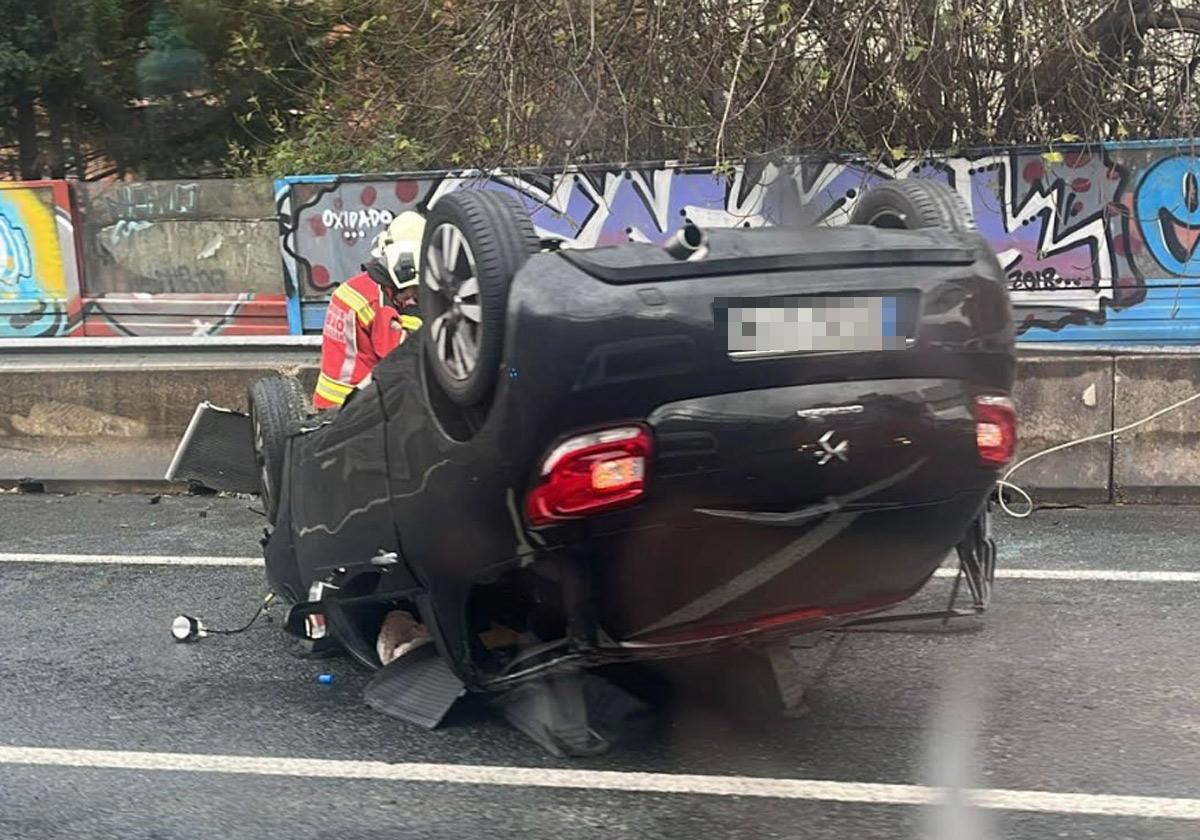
(399, 247)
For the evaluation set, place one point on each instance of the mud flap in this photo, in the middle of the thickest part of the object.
(419, 688)
(573, 714)
(217, 451)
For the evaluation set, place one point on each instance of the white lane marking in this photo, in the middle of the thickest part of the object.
(1094, 575)
(1108, 575)
(469, 774)
(130, 560)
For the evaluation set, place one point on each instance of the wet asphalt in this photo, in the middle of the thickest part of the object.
(1069, 686)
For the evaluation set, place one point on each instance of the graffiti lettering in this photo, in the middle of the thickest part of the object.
(583, 209)
(124, 229)
(154, 200)
(1047, 279)
(356, 219)
(1077, 234)
(188, 278)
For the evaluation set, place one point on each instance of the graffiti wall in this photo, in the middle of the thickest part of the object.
(180, 257)
(39, 270)
(1099, 243)
(328, 224)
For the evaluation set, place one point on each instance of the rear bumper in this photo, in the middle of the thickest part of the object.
(716, 580)
(866, 562)
(704, 638)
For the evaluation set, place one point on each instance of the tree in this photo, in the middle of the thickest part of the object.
(43, 55)
(207, 62)
(169, 88)
(485, 82)
(148, 87)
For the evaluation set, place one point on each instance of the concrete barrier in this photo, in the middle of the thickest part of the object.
(115, 417)
(82, 412)
(1159, 461)
(1061, 398)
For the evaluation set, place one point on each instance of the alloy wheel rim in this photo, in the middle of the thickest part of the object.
(455, 325)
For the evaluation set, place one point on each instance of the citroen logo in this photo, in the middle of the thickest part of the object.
(829, 452)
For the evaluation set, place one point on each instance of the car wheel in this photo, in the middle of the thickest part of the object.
(912, 204)
(475, 240)
(277, 406)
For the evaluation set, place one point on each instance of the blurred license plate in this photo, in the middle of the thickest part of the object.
(768, 327)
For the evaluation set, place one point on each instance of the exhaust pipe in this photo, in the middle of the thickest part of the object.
(690, 243)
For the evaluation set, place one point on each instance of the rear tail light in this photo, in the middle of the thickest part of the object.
(591, 473)
(995, 430)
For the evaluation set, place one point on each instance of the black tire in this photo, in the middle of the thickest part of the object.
(499, 237)
(277, 406)
(913, 204)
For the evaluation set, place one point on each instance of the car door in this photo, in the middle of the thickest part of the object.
(339, 492)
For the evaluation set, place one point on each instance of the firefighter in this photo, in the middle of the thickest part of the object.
(372, 313)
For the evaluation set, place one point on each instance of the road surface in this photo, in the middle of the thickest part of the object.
(1071, 710)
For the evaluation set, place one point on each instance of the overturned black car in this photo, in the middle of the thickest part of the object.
(643, 451)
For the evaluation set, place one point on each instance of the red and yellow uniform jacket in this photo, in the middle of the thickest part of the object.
(360, 329)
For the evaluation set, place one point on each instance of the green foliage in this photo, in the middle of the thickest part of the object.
(176, 88)
(503, 82)
(148, 87)
(314, 145)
